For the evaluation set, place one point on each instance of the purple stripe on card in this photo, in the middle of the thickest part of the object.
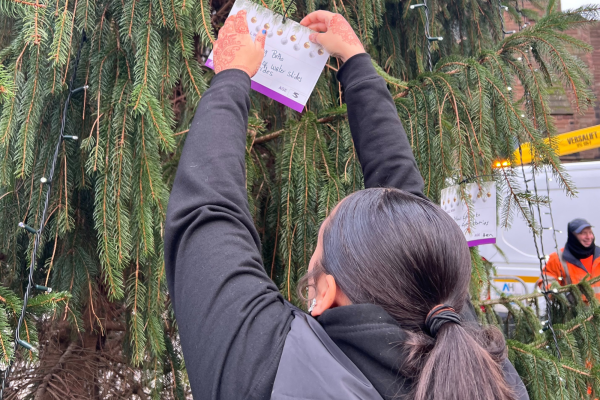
(481, 241)
(286, 101)
(277, 96)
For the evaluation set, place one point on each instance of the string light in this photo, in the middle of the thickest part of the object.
(43, 288)
(502, 9)
(27, 228)
(47, 180)
(285, 12)
(545, 285)
(551, 228)
(474, 178)
(554, 230)
(26, 345)
(430, 38)
(82, 88)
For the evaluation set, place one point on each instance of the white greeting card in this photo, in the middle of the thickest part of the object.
(292, 63)
(479, 227)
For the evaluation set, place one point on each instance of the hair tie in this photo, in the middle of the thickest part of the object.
(438, 316)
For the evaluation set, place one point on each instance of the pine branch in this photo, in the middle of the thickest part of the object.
(27, 3)
(511, 299)
(276, 134)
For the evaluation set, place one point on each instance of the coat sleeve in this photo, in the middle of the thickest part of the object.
(231, 317)
(379, 137)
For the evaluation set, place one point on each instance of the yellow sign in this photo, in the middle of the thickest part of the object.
(567, 143)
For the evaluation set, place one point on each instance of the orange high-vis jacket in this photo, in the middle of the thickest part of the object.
(576, 269)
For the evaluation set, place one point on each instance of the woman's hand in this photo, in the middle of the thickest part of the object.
(235, 48)
(338, 37)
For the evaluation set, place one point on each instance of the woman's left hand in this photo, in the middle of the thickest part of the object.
(336, 35)
(235, 48)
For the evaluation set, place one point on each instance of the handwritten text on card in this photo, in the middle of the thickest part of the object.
(478, 226)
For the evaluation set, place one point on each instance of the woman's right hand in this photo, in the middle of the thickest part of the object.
(337, 36)
(235, 48)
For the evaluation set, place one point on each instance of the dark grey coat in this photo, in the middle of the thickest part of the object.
(313, 365)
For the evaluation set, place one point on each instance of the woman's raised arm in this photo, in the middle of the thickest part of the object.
(232, 319)
(381, 143)
(379, 137)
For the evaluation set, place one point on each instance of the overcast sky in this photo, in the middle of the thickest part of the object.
(569, 4)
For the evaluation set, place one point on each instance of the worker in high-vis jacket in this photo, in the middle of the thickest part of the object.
(580, 257)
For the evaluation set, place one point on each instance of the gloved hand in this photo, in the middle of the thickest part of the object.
(337, 36)
(235, 48)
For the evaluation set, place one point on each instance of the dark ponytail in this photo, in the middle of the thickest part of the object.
(460, 363)
(405, 254)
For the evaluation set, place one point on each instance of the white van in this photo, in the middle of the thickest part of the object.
(519, 268)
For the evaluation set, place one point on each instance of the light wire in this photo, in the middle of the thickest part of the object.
(47, 182)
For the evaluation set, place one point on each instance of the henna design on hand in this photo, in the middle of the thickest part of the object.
(261, 40)
(339, 26)
(228, 43)
(235, 48)
(241, 24)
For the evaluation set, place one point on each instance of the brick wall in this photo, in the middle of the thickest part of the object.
(566, 117)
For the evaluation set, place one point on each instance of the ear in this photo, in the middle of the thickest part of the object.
(326, 294)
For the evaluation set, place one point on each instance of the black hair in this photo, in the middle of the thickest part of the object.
(405, 254)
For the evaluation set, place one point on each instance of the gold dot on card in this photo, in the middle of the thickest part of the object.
(293, 38)
(455, 199)
(279, 32)
(253, 20)
(489, 194)
(320, 52)
(478, 195)
(267, 26)
(306, 45)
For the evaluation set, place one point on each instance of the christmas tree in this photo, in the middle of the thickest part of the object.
(106, 329)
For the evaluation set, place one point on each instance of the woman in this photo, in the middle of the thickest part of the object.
(389, 277)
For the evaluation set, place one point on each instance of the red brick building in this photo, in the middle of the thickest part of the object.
(566, 118)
